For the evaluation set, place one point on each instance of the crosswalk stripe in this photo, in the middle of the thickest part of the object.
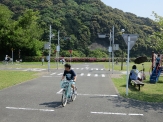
(53, 73)
(60, 74)
(89, 75)
(102, 69)
(92, 69)
(96, 75)
(77, 68)
(81, 74)
(82, 68)
(103, 75)
(96, 68)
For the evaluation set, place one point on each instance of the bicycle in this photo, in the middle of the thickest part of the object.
(67, 93)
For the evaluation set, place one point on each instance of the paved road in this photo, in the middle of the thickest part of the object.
(38, 100)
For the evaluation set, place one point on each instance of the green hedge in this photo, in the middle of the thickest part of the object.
(75, 59)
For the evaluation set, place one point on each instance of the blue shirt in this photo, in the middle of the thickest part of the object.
(134, 74)
(158, 60)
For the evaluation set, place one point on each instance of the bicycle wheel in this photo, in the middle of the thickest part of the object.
(73, 97)
(64, 99)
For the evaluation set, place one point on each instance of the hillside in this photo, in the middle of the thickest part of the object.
(82, 20)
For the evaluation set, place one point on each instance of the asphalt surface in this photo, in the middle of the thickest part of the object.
(97, 101)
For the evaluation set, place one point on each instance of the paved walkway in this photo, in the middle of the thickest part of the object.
(97, 101)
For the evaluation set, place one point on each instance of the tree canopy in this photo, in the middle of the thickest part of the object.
(24, 24)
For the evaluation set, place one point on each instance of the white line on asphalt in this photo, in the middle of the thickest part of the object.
(92, 69)
(122, 114)
(89, 75)
(53, 73)
(59, 92)
(81, 74)
(47, 76)
(96, 68)
(30, 109)
(102, 69)
(101, 95)
(72, 68)
(82, 68)
(135, 114)
(60, 74)
(103, 75)
(77, 68)
(96, 75)
(108, 113)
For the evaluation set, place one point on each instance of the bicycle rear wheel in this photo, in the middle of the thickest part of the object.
(64, 99)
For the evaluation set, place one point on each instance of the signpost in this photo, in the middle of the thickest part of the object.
(12, 55)
(70, 54)
(130, 40)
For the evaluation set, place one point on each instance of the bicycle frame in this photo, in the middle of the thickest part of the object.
(66, 85)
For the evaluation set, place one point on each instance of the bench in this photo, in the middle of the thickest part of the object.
(137, 83)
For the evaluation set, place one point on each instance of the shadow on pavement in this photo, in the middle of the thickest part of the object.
(52, 104)
(129, 103)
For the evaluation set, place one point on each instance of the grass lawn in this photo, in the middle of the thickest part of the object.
(147, 66)
(10, 78)
(148, 93)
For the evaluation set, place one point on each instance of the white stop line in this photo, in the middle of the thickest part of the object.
(30, 109)
(121, 114)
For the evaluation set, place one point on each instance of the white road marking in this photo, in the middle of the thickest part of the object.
(72, 68)
(101, 95)
(103, 75)
(60, 74)
(18, 68)
(47, 76)
(30, 109)
(98, 95)
(77, 68)
(89, 75)
(96, 68)
(82, 68)
(92, 69)
(96, 75)
(81, 74)
(26, 70)
(121, 114)
(102, 69)
(133, 114)
(53, 73)
(59, 92)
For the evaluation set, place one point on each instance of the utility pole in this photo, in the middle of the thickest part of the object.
(113, 51)
(110, 49)
(58, 48)
(12, 55)
(50, 36)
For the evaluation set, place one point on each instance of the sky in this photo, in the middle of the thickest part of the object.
(142, 8)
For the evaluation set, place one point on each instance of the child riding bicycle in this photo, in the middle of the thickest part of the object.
(70, 76)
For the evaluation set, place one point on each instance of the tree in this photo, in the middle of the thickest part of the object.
(157, 37)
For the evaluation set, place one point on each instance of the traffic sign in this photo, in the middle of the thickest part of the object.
(58, 48)
(133, 39)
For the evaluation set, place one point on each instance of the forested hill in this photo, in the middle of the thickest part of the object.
(82, 20)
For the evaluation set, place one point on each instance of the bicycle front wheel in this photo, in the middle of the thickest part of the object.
(64, 99)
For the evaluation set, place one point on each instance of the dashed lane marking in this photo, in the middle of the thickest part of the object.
(30, 109)
(120, 114)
